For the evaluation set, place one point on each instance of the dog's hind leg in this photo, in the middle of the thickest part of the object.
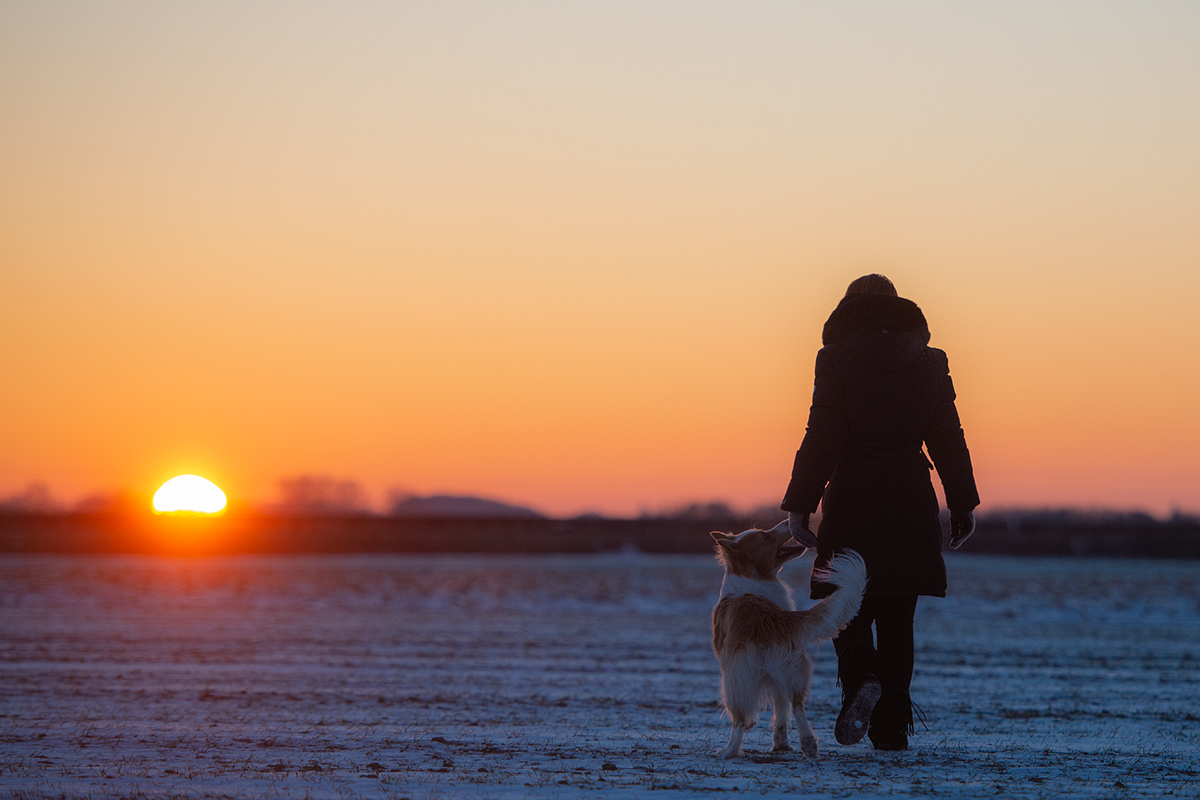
(779, 724)
(740, 691)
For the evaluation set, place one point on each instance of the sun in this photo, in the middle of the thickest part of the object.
(189, 493)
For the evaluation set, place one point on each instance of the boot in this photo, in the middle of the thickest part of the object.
(857, 706)
(892, 722)
(889, 740)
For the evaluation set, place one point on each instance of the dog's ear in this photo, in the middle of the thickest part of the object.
(725, 541)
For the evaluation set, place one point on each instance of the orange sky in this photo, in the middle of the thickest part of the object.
(579, 256)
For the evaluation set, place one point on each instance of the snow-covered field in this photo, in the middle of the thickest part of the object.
(443, 676)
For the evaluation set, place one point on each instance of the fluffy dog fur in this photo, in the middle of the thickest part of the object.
(760, 638)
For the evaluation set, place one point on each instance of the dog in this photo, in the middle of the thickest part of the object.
(760, 638)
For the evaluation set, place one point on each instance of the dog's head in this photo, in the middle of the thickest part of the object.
(757, 554)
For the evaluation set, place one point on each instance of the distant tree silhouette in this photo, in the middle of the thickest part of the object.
(119, 502)
(33, 499)
(449, 505)
(320, 494)
(712, 509)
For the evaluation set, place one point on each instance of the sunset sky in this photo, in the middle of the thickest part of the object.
(578, 256)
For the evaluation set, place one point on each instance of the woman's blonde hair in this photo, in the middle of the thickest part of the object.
(871, 284)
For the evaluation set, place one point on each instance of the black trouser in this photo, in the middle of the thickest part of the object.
(888, 656)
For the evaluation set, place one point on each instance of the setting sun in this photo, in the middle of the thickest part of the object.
(189, 493)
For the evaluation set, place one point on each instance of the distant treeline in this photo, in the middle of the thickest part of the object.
(306, 495)
(1063, 532)
(1012, 532)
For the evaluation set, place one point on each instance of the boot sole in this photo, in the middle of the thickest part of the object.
(852, 725)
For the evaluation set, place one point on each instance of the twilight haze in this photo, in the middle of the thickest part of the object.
(579, 255)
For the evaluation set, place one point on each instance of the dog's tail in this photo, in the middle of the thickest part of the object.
(848, 572)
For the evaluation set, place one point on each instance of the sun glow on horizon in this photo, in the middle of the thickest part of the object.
(189, 493)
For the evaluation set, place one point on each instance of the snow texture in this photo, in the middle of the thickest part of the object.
(582, 676)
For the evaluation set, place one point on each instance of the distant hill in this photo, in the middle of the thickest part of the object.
(448, 505)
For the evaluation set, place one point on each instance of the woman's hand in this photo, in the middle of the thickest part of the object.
(962, 525)
(798, 528)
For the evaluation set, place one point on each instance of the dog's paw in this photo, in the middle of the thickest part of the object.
(781, 747)
(808, 747)
(730, 752)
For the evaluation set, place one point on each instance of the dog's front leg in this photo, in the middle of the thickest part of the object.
(808, 739)
(734, 748)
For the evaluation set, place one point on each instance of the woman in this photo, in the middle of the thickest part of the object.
(880, 393)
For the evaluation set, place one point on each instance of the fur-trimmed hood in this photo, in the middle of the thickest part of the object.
(874, 313)
(884, 331)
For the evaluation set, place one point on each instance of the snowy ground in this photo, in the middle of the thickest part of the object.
(401, 676)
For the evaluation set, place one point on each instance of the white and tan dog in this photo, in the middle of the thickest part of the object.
(760, 638)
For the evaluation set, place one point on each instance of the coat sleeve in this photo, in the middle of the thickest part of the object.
(947, 444)
(824, 441)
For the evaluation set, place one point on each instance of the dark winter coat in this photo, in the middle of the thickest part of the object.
(880, 394)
